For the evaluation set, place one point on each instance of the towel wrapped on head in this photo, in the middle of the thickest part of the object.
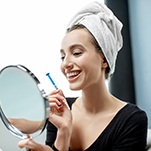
(105, 28)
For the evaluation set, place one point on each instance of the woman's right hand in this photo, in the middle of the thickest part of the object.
(60, 115)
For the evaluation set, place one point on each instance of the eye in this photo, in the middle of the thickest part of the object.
(77, 52)
(62, 57)
(62, 54)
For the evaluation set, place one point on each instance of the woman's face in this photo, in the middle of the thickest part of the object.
(81, 62)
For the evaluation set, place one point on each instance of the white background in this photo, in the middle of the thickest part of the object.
(30, 34)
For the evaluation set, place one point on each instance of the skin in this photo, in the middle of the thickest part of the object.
(26, 126)
(94, 110)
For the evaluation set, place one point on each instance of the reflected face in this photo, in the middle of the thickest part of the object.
(81, 62)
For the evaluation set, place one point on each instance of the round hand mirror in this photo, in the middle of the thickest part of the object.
(23, 105)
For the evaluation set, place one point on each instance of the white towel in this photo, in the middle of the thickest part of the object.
(104, 26)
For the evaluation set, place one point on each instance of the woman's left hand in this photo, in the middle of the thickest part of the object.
(31, 145)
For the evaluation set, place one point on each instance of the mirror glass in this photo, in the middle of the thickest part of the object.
(22, 103)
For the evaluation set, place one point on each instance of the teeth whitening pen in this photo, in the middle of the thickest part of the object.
(53, 83)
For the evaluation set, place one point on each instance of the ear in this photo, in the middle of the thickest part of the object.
(104, 62)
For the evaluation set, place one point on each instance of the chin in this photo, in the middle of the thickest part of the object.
(75, 88)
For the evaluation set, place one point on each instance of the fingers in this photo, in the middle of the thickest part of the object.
(61, 93)
(23, 143)
(31, 145)
(57, 100)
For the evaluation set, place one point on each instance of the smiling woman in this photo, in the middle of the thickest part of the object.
(96, 120)
(30, 34)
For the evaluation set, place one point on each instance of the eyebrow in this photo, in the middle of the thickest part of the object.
(72, 47)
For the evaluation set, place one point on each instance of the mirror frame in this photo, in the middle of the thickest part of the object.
(15, 131)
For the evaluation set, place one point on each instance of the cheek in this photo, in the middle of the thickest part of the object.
(90, 64)
(95, 69)
(95, 63)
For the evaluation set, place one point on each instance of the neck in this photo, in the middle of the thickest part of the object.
(96, 98)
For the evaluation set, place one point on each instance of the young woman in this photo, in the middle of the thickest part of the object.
(96, 120)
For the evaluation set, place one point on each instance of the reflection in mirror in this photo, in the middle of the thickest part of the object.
(31, 126)
(22, 102)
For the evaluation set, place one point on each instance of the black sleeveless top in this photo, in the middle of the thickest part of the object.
(126, 132)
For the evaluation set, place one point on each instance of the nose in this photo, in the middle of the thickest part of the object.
(67, 63)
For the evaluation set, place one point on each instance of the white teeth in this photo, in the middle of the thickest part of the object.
(72, 74)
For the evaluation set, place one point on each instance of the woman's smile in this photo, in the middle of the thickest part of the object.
(72, 76)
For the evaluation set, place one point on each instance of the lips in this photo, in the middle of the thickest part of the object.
(72, 75)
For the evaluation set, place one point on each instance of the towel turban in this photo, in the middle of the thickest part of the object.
(105, 28)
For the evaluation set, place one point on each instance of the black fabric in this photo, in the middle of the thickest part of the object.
(126, 132)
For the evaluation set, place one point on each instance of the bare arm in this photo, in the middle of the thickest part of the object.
(26, 126)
